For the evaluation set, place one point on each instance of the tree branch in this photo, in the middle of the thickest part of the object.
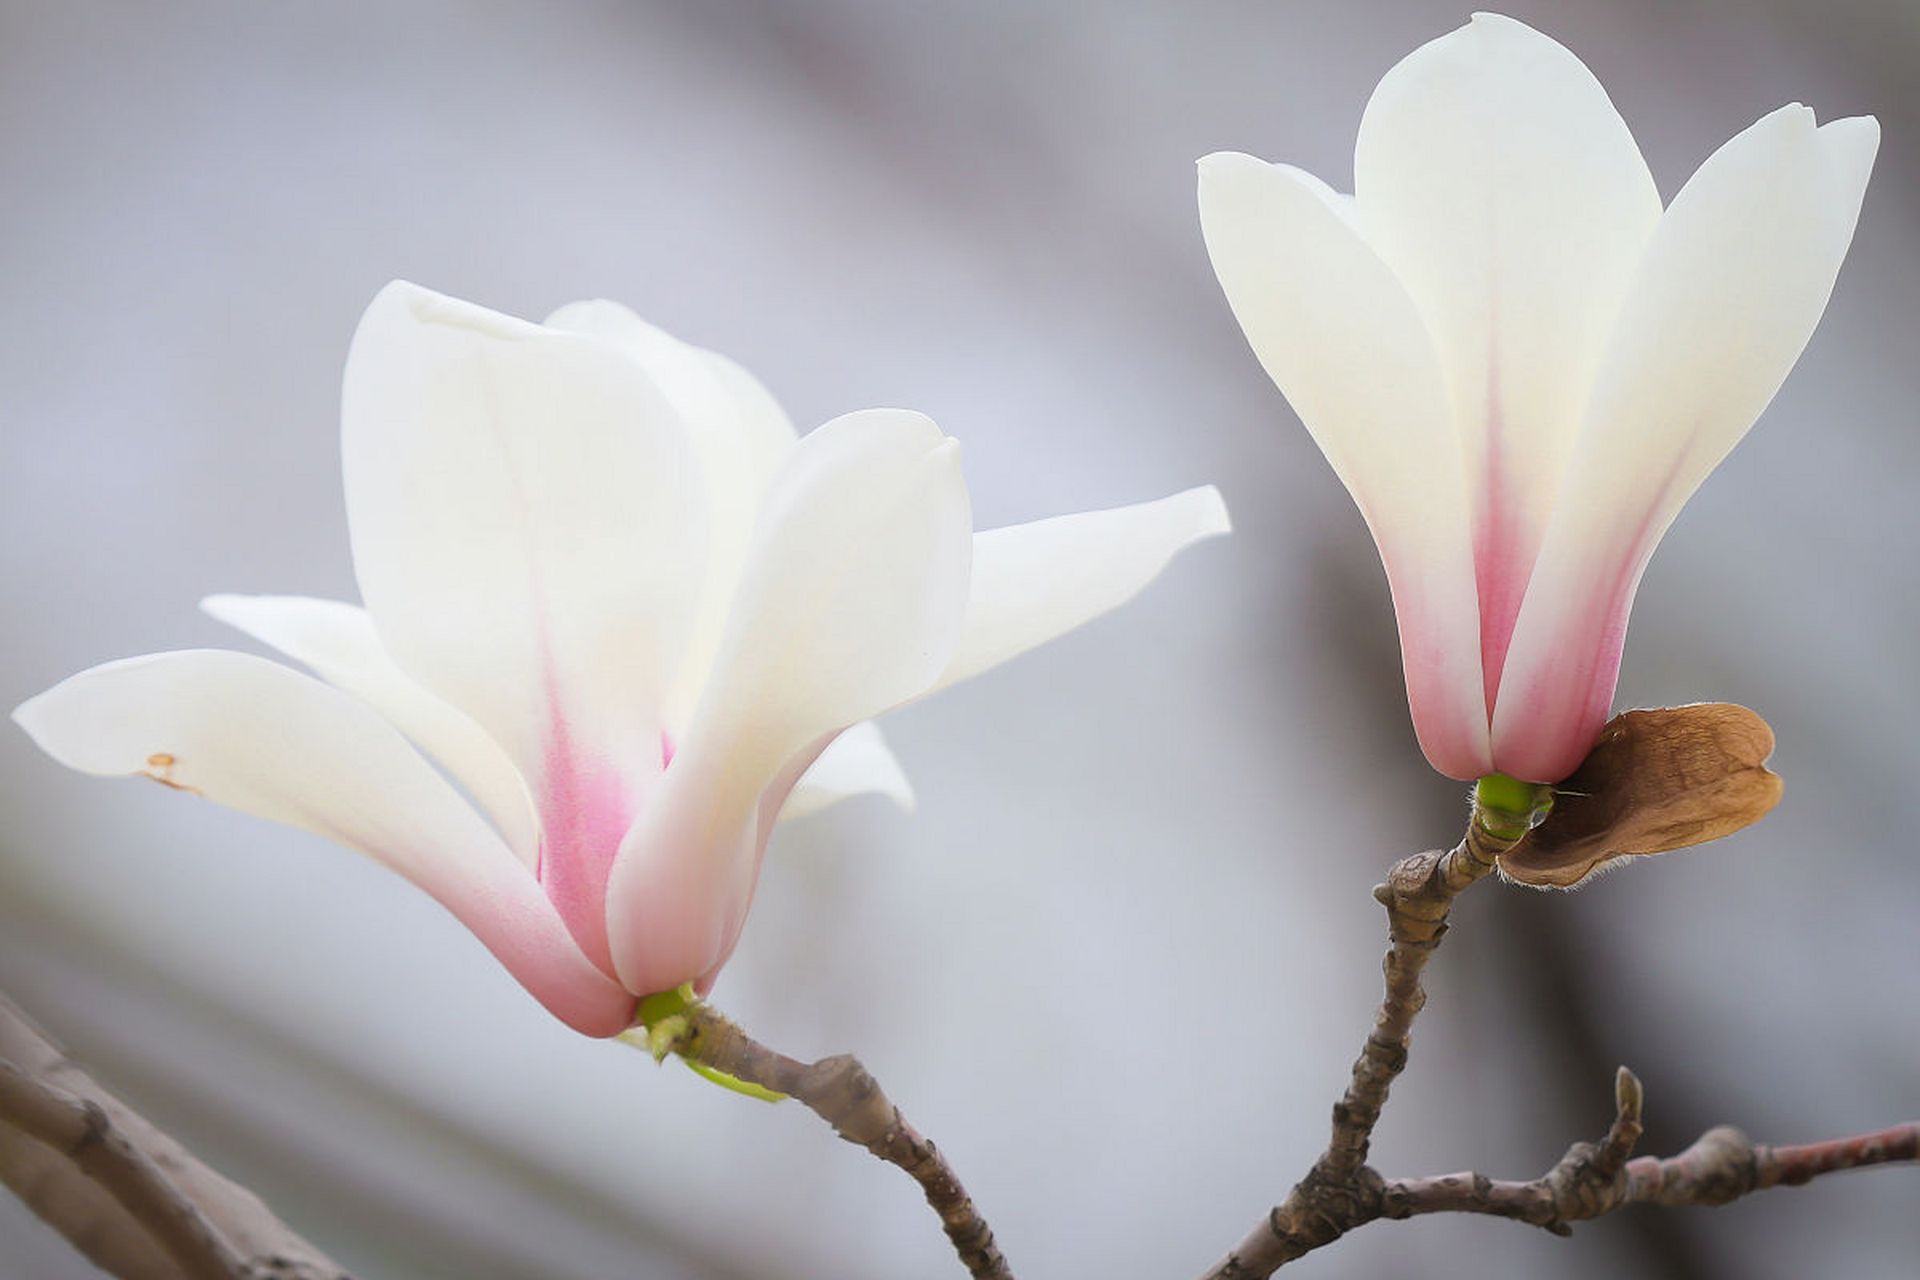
(1725, 1164)
(843, 1093)
(81, 1131)
(129, 1197)
(1418, 894)
(1590, 1180)
(1342, 1191)
(1596, 1179)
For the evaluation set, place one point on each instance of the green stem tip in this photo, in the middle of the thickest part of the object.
(745, 1087)
(664, 1017)
(666, 1004)
(1509, 808)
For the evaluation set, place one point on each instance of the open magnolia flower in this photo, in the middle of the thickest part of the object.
(1519, 364)
(616, 600)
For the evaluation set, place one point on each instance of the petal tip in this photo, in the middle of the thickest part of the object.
(1211, 517)
(880, 421)
(599, 317)
(39, 718)
(1791, 116)
(1861, 132)
(398, 290)
(24, 715)
(1228, 171)
(897, 790)
(406, 303)
(1221, 162)
(1484, 24)
(222, 606)
(402, 297)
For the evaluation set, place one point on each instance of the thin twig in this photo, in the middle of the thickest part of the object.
(1418, 894)
(1592, 1180)
(1341, 1190)
(125, 1194)
(843, 1093)
(1724, 1164)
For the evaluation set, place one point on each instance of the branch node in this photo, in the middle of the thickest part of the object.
(95, 1126)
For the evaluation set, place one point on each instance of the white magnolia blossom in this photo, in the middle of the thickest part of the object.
(623, 608)
(1520, 365)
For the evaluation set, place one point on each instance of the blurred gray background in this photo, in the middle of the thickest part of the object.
(1120, 961)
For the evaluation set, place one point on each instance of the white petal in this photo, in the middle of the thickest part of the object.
(337, 641)
(528, 528)
(1338, 334)
(1733, 284)
(1496, 179)
(857, 762)
(713, 392)
(1032, 582)
(255, 736)
(854, 591)
(743, 437)
(850, 604)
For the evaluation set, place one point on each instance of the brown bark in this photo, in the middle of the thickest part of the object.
(843, 1093)
(1342, 1191)
(1592, 1180)
(132, 1199)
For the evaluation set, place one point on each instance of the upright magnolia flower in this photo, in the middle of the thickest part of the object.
(1520, 366)
(615, 600)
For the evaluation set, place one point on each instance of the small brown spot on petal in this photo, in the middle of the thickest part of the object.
(160, 769)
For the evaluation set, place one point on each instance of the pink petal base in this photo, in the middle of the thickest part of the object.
(1549, 716)
(1452, 730)
(682, 887)
(513, 919)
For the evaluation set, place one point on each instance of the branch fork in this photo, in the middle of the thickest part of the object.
(1341, 1191)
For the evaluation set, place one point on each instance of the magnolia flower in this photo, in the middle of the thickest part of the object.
(1519, 364)
(625, 611)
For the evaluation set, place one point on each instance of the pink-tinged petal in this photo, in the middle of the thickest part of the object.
(1338, 334)
(337, 641)
(529, 528)
(719, 890)
(857, 762)
(587, 802)
(258, 737)
(1733, 284)
(1495, 178)
(743, 438)
(1037, 581)
(850, 604)
(530, 521)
